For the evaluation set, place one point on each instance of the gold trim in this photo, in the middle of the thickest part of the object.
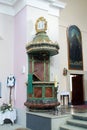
(41, 25)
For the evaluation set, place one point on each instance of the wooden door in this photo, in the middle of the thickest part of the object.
(77, 90)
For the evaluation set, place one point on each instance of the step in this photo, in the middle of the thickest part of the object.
(69, 127)
(79, 123)
(80, 116)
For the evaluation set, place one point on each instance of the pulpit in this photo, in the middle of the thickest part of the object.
(41, 92)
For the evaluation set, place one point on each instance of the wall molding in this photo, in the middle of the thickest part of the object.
(12, 8)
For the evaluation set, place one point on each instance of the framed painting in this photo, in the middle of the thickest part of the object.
(74, 38)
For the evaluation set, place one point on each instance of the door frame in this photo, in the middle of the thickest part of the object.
(77, 95)
(73, 72)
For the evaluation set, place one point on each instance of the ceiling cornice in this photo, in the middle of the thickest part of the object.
(8, 2)
(12, 7)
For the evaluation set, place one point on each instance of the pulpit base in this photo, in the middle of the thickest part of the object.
(41, 105)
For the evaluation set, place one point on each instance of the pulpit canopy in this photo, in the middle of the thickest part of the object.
(41, 44)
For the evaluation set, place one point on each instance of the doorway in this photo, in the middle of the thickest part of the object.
(77, 90)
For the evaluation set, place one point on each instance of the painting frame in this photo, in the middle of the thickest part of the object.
(75, 55)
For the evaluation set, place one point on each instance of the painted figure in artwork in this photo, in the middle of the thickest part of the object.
(75, 47)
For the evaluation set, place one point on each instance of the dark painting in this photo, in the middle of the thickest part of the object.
(74, 48)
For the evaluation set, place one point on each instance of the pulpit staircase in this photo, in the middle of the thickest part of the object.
(78, 121)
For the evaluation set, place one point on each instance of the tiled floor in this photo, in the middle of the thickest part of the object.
(61, 110)
(10, 127)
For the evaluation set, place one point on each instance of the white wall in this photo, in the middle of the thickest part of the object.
(6, 52)
(73, 14)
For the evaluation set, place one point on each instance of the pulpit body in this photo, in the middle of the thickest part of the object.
(41, 92)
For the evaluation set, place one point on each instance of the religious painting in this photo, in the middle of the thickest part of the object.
(75, 59)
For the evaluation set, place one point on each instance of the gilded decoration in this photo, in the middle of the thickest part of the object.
(41, 43)
(41, 25)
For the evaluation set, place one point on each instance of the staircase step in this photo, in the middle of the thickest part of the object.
(79, 123)
(80, 116)
(69, 127)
